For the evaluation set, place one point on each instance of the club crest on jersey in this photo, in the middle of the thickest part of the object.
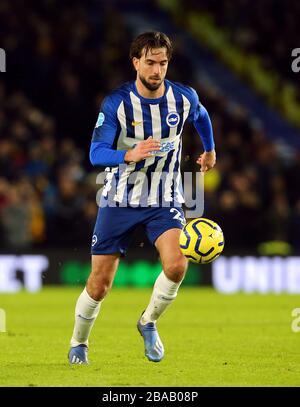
(172, 119)
(100, 120)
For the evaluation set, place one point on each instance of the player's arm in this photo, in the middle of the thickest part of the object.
(207, 159)
(102, 151)
(202, 123)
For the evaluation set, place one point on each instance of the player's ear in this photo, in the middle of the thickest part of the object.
(135, 63)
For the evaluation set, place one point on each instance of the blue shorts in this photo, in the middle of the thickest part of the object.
(115, 226)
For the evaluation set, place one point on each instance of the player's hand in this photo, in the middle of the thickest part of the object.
(142, 150)
(207, 160)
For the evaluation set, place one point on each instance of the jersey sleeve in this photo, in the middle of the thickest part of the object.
(106, 126)
(104, 135)
(199, 117)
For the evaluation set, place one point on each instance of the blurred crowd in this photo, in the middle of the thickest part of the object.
(63, 58)
(253, 192)
(267, 28)
(45, 191)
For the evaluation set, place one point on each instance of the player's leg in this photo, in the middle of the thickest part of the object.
(104, 267)
(111, 237)
(88, 305)
(89, 302)
(174, 266)
(163, 228)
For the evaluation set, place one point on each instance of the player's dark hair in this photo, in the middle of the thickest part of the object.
(150, 40)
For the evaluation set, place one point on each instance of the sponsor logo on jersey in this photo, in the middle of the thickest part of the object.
(100, 120)
(165, 147)
(172, 119)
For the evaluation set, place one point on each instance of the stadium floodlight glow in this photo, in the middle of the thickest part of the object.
(2, 60)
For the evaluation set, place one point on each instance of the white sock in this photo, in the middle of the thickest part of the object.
(164, 293)
(86, 312)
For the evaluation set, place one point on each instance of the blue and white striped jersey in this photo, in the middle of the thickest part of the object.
(126, 118)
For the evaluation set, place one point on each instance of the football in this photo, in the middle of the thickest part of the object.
(201, 240)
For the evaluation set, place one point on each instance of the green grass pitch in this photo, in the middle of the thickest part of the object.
(210, 340)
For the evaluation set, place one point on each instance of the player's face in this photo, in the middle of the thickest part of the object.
(152, 68)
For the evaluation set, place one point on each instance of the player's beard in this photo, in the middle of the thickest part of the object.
(150, 86)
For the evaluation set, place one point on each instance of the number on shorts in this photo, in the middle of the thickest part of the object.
(178, 215)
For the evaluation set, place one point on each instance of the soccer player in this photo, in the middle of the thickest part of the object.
(138, 136)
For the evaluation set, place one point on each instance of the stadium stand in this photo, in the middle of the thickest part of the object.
(62, 60)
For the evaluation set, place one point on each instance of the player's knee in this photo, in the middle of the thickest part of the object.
(176, 270)
(98, 289)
